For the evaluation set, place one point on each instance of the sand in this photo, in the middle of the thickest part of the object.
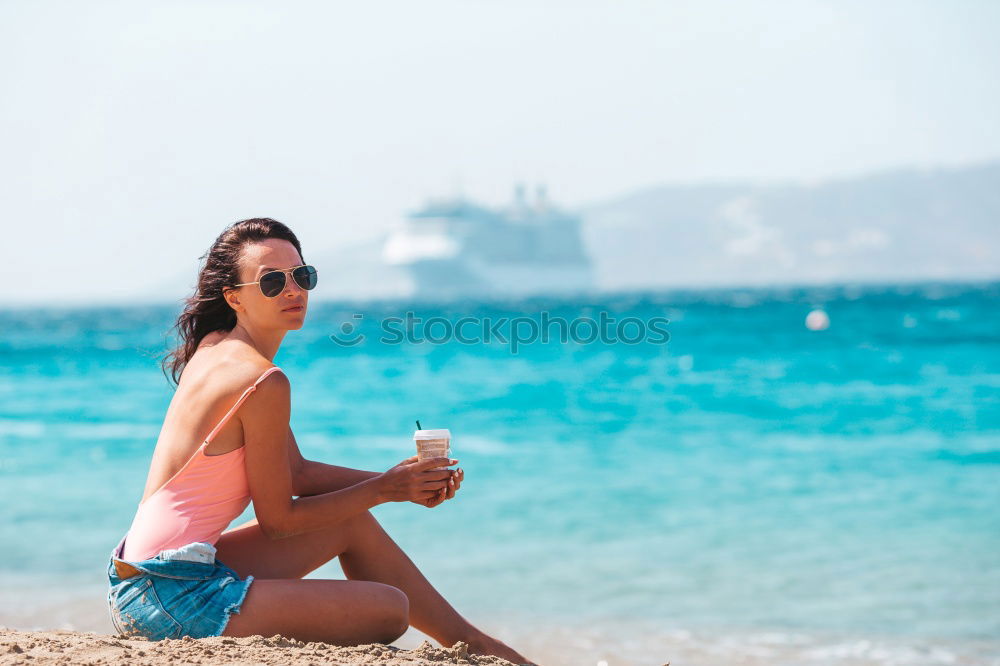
(73, 647)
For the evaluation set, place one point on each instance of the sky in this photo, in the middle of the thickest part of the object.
(134, 132)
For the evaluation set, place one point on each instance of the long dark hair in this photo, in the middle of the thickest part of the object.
(207, 310)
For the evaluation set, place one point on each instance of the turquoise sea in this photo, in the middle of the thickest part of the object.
(750, 491)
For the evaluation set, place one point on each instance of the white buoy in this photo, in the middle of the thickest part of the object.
(817, 320)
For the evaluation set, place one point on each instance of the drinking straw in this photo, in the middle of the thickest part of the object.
(418, 426)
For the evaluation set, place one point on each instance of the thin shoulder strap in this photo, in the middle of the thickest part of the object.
(229, 414)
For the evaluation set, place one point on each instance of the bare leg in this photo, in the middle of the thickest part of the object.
(367, 553)
(375, 556)
(342, 612)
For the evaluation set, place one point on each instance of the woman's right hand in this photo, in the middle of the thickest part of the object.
(414, 481)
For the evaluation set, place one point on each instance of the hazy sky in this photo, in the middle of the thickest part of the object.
(134, 132)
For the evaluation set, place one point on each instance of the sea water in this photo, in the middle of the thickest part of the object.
(746, 491)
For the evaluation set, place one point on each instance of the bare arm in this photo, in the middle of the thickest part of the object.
(310, 477)
(265, 417)
(271, 468)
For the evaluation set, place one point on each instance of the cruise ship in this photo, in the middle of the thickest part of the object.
(455, 248)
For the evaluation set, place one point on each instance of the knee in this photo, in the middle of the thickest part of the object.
(363, 523)
(365, 518)
(397, 613)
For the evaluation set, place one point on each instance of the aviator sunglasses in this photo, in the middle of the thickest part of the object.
(272, 283)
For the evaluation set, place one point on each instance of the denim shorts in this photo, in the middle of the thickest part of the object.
(181, 592)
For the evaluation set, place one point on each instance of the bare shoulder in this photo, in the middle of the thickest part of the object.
(246, 370)
(244, 374)
(218, 371)
(275, 385)
(268, 408)
(223, 382)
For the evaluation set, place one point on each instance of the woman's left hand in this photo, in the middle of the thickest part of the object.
(448, 491)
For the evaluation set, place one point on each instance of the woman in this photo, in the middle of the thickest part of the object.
(226, 441)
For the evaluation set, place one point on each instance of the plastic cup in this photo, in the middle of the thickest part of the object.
(433, 444)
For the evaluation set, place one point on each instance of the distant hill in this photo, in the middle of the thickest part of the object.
(899, 225)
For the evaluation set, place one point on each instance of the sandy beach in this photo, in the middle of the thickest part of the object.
(71, 647)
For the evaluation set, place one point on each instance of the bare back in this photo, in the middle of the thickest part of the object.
(211, 383)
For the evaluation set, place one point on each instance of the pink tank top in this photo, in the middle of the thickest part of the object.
(197, 503)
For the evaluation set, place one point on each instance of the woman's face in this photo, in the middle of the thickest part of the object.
(259, 258)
